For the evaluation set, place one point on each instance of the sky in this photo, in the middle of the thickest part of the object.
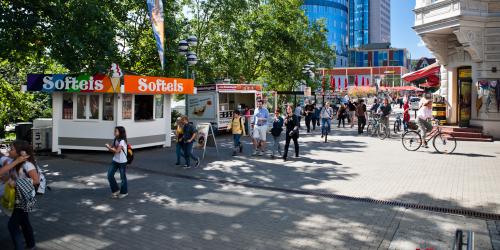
(402, 34)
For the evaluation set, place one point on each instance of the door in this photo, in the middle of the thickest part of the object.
(464, 96)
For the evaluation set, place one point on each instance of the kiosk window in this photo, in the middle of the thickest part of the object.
(93, 107)
(127, 107)
(108, 107)
(67, 106)
(159, 106)
(81, 106)
(87, 107)
(143, 107)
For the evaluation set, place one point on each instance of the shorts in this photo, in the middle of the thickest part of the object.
(259, 133)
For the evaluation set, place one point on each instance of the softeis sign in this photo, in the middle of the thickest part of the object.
(102, 84)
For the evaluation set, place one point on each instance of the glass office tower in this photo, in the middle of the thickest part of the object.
(335, 15)
(359, 23)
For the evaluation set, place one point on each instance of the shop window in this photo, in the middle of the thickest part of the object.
(108, 107)
(67, 106)
(81, 106)
(127, 107)
(93, 107)
(87, 107)
(143, 107)
(159, 106)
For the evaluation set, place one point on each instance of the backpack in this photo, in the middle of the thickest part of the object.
(276, 130)
(241, 125)
(129, 154)
(42, 186)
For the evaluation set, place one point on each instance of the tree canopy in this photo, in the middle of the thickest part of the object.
(245, 40)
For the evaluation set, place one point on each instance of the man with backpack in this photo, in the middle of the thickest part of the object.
(276, 133)
(188, 138)
(238, 130)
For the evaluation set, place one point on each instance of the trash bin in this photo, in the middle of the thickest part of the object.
(23, 131)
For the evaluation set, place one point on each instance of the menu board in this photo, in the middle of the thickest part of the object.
(202, 106)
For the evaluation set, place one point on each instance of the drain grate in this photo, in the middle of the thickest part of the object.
(454, 211)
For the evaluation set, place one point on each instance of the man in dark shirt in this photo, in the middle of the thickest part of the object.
(189, 138)
(361, 114)
(308, 112)
(385, 111)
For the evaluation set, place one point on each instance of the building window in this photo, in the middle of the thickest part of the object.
(87, 107)
(67, 106)
(127, 107)
(108, 107)
(143, 107)
(159, 99)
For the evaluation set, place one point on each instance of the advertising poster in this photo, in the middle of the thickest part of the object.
(202, 136)
(201, 106)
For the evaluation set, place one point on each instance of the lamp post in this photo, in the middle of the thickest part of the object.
(185, 50)
(308, 72)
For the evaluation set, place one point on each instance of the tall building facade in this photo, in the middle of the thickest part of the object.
(369, 22)
(335, 15)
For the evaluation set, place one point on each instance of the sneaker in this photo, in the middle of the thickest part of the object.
(177, 163)
(272, 156)
(115, 195)
(254, 153)
(234, 153)
(241, 149)
(260, 153)
(322, 136)
(186, 166)
(426, 146)
(121, 196)
(284, 158)
(197, 164)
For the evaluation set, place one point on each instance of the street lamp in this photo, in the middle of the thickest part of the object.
(184, 50)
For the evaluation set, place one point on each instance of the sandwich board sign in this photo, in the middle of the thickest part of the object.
(205, 133)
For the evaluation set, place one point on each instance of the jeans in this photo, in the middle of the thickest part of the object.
(178, 151)
(236, 141)
(188, 152)
(405, 125)
(20, 222)
(385, 120)
(299, 118)
(287, 144)
(123, 176)
(361, 124)
(315, 122)
(341, 119)
(276, 145)
(325, 129)
(308, 122)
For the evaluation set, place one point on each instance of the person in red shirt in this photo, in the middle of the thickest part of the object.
(406, 113)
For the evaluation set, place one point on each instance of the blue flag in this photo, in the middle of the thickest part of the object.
(155, 8)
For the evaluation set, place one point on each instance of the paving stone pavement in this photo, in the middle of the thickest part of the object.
(165, 212)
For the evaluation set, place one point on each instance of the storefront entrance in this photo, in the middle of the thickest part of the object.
(464, 97)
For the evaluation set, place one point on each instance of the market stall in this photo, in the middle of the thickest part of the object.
(86, 108)
(215, 103)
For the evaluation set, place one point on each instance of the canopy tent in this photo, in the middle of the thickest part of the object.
(428, 71)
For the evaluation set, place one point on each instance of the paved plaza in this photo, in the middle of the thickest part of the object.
(247, 202)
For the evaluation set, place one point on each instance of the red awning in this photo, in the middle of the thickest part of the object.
(422, 73)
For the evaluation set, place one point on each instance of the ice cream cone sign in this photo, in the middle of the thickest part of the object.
(116, 74)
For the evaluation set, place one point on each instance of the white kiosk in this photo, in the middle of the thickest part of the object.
(86, 109)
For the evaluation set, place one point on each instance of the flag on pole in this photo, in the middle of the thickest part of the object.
(332, 83)
(362, 81)
(356, 81)
(155, 8)
(338, 82)
(345, 83)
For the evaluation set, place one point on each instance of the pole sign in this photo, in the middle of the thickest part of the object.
(157, 85)
(84, 83)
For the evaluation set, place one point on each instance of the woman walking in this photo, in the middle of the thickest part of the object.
(178, 145)
(23, 167)
(406, 113)
(342, 114)
(292, 131)
(119, 162)
(276, 133)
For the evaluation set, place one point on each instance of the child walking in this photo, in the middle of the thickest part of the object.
(119, 162)
(276, 133)
(238, 130)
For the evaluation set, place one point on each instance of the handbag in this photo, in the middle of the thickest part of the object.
(8, 199)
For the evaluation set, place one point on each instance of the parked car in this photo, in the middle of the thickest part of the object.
(414, 101)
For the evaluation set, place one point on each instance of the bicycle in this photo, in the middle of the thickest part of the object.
(443, 142)
(325, 129)
(375, 126)
(397, 123)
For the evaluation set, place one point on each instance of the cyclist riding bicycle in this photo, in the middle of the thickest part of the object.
(424, 117)
(326, 116)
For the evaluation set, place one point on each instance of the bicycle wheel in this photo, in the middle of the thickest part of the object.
(411, 140)
(444, 143)
(397, 127)
(382, 132)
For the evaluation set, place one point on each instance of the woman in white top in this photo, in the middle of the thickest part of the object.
(119, 150)
(22, 166)
(424, 117)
